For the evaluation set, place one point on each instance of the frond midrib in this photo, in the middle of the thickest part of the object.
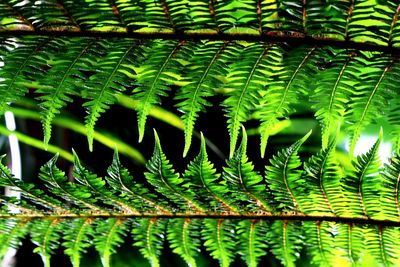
(280, 37)
(290, 216)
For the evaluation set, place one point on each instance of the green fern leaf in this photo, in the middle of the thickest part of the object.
(121, 181)
(183, 236)
(149, 236)
(46, 235)
(390, 202)
(246, 78)
(50, 14)
(12, 232)
(290, 81)
(82, 13)
(155, 73)
(322, 241)
(246, 186)
(363, 183)
(98, 187)
(219, 240)
(19, 69)
(164, 179)
(76, 233)
(322, 183)
(205, 69)
(59, 82)
(282, 176)
(351, 240)
(332, 90)
(383, 244)
(286, 239)
(373, 92)
(202, 178)
(113, 73)
(59, 185)
(36, 195)
(109, 234)
(252, 244)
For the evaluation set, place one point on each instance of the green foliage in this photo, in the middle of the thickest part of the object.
(261, 64)
(298, 210)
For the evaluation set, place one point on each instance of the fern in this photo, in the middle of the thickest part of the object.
(154, 80)
(225, 232)
(208, 65)
(112, 72)
(269, 65)
(284, 89)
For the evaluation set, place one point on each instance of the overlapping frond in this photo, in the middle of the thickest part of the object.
(234, 214)
(264, 81)
(260, 60)
(156, 72)
(348, 20)
(204, 74)
(372, 94)
(288, 82)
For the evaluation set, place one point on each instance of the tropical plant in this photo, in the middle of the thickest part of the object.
(281, 68)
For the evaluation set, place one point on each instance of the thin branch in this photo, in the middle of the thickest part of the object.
(166, 12)
(213, 16)
(62, 8)
(118, 14)
(259, 16)
(394, 20)
(279, 37)
(349, 17)
(210, 215)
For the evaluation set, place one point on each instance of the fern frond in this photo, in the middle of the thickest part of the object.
(155, 73)
(334, 84)
(389, 190)
(251, 240)
(59, 185)
(372, 95)
(113, 74)
(236, 14)
(323, 244)
(82, 13)
(98, 187)
(46, 235)
(122, 181)
(42, 15)
(162, 176)
(207, 66)
(246, 79)
(282, 176)
(322, 182)
(202, 178)
(145, 15)
(109, 234)
(76, 234)
(20, 67)
(149, 236)
(12, 232)
(289, 82)
(184, 239)
(384, 242)
(246, 186)
(29, 191)
(219, 240)
(351, 240)
(363, 183)
(59, 83)
(286, 239)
